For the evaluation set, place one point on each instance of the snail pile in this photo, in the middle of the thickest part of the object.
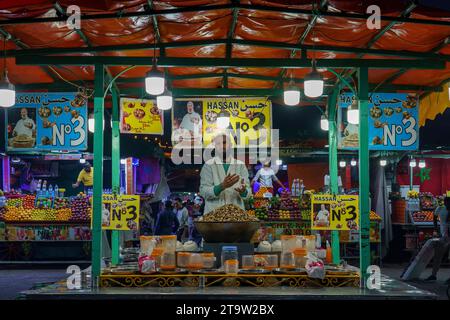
(228, 213)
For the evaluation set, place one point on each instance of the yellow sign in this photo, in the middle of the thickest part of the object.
(139, 116)
(448, 193)
(121, 212)
(250, 119)
(331, 212)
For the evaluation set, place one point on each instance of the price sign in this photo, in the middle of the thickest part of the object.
(121, 212)
(331, 212)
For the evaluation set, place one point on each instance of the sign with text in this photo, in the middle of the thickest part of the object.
(140, 116)
(393, 122)
(250, 120)
(121, 212)
(47, 121)
(330, 212)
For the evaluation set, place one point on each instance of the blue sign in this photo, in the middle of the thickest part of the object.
(393, 122)
(47, 121)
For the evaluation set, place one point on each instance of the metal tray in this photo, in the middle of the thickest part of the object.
(289, 271)
(206, 271)
(254, 271)
(174, 271)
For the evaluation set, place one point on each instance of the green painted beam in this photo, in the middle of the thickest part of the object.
(98, 176)
(255, 43)
(234, 62)
(115, 171)
(379, 34)
(333, 165)
(195, 9)
(364, 177)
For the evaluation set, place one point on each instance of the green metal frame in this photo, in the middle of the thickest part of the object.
(364, 178)
(115, 162)
(149, 12)
(333, 165)
(98, 175)
(234, 62)
(255, 43)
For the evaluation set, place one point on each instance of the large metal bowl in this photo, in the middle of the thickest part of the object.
(229, 232)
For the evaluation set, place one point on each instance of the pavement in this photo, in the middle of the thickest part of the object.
(15, 281)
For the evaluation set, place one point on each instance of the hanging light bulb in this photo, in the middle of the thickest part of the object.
(353, 162)
(82, 160)
(353, 113)
(123, 161)
(342, 164)
(7, 89)
(383, 162)
(278, 162)
(422, 164)
(412, 163)
(324, 125)
(291, 94)
(154, 82)
(223, 119)
(164, 101)
(91, 124)
(7, 93)
(313, 84)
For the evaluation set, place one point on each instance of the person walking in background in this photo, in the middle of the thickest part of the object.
(443, 245)
(146, 216)
(182, 215)
(167, 222)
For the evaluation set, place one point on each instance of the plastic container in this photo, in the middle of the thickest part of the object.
(287, 260)
(229, 253)
(288, 243)
(248, 262)
(168, 261)
(231, 266)
(300, 257)
(266, 261)
(310, 242)
(195, 261)
(183, 259)
(209, 260)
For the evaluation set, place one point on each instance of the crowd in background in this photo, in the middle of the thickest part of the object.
(172, 217)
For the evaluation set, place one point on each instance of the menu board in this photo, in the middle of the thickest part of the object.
(140, 116)
(393, 122)
(330, 212)
(194, 121)
(47, 121)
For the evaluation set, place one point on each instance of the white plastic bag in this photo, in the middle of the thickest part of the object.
(314, 267)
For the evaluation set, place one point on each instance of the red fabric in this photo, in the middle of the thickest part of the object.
(439, 181)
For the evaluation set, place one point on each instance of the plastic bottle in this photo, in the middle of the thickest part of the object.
(318, 241)
(56, 191)
(329, 256)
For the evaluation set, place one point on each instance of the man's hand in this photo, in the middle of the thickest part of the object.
(229, 181)
(241, 188)
(75, 185)
(435, 234)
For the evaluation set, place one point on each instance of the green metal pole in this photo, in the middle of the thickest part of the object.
(411, 176)
(333, 166)
(364, 210)
(98, 176)
(115, 161)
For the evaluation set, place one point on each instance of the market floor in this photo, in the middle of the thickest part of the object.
(13, 282)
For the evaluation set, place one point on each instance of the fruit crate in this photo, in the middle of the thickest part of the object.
(422, 218)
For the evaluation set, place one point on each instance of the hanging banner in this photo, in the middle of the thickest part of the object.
(121, 212)
(393, 122)
(47, 121)
(139, 116)
(331, 212)
(195, 120)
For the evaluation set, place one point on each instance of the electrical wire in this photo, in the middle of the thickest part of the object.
(114, 79)
(51, 42)
(64, 79)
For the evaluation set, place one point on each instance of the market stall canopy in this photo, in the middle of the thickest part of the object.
(230, 34)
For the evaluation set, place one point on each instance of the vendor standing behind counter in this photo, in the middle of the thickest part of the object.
(224, 179)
